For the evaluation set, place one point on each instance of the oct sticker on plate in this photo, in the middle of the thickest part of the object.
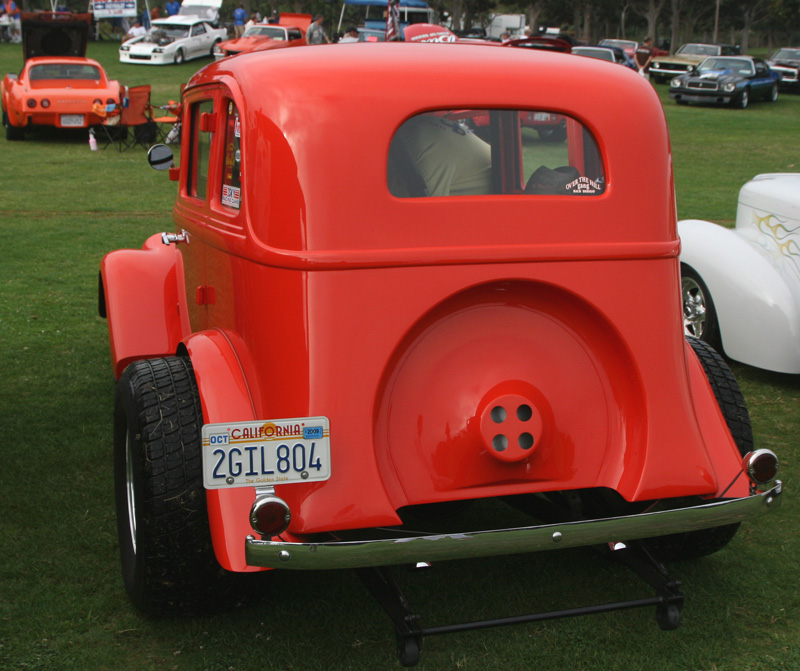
(266, 452)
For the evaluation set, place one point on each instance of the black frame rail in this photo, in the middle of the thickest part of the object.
(382, 584)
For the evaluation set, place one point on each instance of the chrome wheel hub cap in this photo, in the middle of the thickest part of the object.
(694, 308)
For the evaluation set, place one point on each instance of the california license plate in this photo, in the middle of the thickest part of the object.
(71, 120)
(271, 452)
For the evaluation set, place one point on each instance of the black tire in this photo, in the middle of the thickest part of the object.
(743, 99)
(553, 133)
(168, 562)
(13, 133)
(214, 46)
(694, 544)
(699, 314)
(179, 57)
(772, 96)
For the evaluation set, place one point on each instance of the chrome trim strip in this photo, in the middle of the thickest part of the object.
(385, 552)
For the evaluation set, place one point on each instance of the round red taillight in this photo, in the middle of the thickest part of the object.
(111, 101)
(270, 515)
(31, 102)
(761, 466)
(97, 101)
(45, 103)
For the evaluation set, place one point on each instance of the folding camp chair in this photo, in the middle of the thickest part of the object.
(169, 122)
(165, 122)
(135, 124)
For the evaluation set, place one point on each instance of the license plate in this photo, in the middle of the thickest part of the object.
(72, 120)
(266, 452)
(541, 116)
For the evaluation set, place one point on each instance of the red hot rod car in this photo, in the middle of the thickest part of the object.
(57, 86)
(372, 306)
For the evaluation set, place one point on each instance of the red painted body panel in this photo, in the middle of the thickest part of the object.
(145, 302)
(65, 96)
(406, 320)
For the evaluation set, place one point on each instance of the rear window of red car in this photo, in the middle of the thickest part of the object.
(485, 152)
(64, 71)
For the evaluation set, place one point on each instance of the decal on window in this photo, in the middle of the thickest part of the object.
(231, 174)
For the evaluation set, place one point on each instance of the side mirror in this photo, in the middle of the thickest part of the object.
(160, 157)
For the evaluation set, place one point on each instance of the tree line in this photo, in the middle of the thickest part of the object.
(749, 23)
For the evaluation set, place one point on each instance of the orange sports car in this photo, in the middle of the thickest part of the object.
(58, 85)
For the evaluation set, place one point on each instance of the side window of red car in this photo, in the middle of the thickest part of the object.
(231, 194)
(201, 150)
(489, 152)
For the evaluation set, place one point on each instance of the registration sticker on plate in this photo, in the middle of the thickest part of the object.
(266, 452)
(72, 120)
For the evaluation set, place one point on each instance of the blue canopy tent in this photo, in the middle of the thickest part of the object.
(411, 11)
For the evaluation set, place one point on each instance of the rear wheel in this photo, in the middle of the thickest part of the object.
(772, 96)
(694, 544)
(699, 314)
(553, 133)
(12, 132)
(168, 562)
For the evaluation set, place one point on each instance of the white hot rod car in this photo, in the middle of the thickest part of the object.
(741, 286)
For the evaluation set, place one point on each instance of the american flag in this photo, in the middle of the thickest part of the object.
(393, 21)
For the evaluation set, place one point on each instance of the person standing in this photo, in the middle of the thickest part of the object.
(643, 55)
(239, 19)
(316, 33)
(15, 25)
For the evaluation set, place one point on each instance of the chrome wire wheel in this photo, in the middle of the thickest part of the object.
(694, 308)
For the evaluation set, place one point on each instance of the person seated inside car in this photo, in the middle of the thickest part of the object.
(434, 156)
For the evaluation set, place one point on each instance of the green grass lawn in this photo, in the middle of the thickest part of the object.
(62, 603)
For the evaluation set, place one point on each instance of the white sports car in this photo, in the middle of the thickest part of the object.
(741, 286)
(173, 40)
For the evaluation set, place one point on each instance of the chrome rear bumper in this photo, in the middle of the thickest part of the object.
(392, 551)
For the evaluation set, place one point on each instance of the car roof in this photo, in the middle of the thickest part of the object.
(312, 115)
(178, 19)
(582, 48)
(736, 58)
(45, 60)
(419, 81)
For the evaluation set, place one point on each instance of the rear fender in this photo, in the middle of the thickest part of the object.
(224, 373)
(143, 297)
(758, 314)
(719, 443)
